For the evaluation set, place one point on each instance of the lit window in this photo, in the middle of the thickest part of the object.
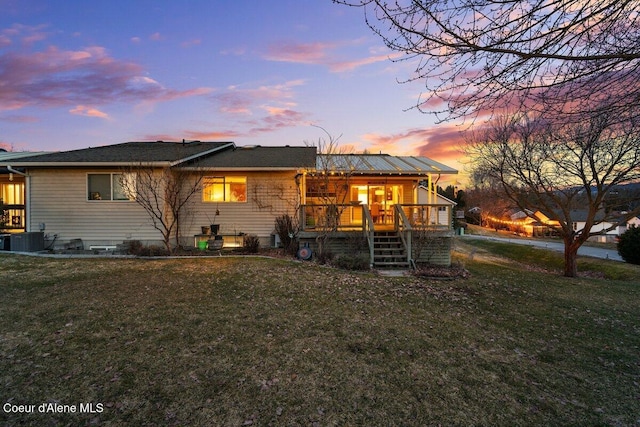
(110, 186)
(225, 189)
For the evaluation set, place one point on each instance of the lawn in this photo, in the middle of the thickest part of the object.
(256, 341)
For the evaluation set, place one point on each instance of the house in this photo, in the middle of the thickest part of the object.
(79, 194)
(529, 223)
(606, 229)
(82, 194)
(607, 225)
(440, 211)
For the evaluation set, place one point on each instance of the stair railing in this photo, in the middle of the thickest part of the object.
(404, 228)
(368, 229)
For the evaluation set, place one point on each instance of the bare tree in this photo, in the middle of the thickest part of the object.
(476, 56)
(558, 168)
(164, 194)
(331, 183)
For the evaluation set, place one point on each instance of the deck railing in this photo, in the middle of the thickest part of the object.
(404, 228)
(436, 216)
(369, 230)
(12, 217)
(404, 219)
(333, 217)
(350, 217)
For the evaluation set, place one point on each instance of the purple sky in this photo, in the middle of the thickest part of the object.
(78, 74)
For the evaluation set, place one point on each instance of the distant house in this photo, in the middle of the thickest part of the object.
(78, 194)
(608, 228)
(441, 206)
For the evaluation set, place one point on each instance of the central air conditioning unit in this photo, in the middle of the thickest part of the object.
(27, 242)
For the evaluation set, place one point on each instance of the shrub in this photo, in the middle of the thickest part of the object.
(351, 262)
(135, 247)
(251, 243)
(286, 232)
(138, 249)
(629, 245)
(324, 257)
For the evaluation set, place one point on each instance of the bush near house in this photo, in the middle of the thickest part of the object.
(356, 262)
(629, 245)
(251, 244)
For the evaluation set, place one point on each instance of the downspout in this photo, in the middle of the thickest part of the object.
(12, 170)
(27, 194)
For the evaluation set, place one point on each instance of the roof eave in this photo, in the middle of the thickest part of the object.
(386, 172)
(84, 164)
(242, 169)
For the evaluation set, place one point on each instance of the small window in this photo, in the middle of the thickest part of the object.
(110, 186)
(225, 189)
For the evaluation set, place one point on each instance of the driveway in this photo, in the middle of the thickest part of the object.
(552, 246)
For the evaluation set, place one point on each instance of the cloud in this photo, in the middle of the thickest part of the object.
(302, 53)
(189, 43)
(442, 143)
(82, 110)
(342, 66)
(260, 110)
(191, 135)
(278, 118)
(53, 77)
(15, 118)
(22, 34)
(156, 37)
(246, 100)
(319, 53)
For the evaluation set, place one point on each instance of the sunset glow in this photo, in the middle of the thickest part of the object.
(76, 74)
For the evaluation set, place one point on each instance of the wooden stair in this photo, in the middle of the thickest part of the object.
(389, 251)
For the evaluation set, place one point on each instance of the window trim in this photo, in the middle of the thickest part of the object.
(111, 198)
(225, 195)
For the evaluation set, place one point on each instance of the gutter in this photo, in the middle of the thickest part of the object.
(12, 170)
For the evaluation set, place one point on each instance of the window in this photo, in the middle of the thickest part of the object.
(110, 186)
(225, 189)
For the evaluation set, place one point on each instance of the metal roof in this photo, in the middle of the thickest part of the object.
(381, 164)
(6, 156)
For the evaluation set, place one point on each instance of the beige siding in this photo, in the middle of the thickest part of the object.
(58, 198)
(269, 195)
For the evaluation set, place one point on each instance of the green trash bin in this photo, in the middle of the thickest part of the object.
(202, 245)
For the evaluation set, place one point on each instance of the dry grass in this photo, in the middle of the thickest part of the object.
(250, 341)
